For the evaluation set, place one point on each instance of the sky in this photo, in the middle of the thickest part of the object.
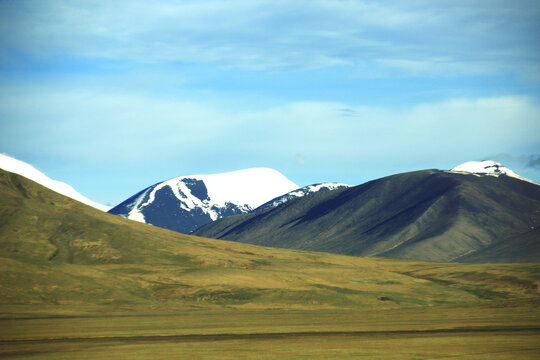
(111, 97)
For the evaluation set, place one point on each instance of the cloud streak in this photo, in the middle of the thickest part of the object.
(446, 37)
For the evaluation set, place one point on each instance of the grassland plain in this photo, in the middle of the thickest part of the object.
(77, 284)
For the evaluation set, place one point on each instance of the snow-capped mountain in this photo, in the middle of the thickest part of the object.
(187, 202)
(487, 167)
(303, 191)
(28, 171)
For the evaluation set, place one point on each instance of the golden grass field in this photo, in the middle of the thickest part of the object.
(80, 284)
(441, 333)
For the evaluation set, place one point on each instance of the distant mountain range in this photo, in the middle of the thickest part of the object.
(12, 165)
(476, 212)
(479, 211)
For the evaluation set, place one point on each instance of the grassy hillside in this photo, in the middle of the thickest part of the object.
(56, 251)
(77, 283)
(425, 215)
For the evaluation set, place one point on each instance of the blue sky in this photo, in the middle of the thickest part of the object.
(111, 97)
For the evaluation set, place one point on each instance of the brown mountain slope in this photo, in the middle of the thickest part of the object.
(428, 215)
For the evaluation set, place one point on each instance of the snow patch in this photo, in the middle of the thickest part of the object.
(135, 213)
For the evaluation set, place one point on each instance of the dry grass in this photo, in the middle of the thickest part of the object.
(433, 333)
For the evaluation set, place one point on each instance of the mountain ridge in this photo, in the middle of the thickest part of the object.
(303, 191)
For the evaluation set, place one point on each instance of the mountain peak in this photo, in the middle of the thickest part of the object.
(487, 167)
(186, 202)
(252, 187)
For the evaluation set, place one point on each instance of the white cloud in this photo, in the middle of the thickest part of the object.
(420, 37)
(137, 130)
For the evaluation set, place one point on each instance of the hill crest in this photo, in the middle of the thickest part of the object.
(19, 167)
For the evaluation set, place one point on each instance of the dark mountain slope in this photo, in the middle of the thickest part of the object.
(430, 215)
